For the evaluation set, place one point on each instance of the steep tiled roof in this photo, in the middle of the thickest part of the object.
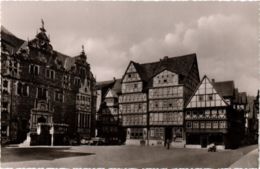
(104, 84)
(225, 88)
(114, 85)
(243, 97)
(12, 43)
(180, 65)
(117, 86)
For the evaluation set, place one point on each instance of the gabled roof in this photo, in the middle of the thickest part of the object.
(12, 43)
(225, 88)
(104, 84)
(179, 65)
(199, 85)
(243, 98)
(112, 85)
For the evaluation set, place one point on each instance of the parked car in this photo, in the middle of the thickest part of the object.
(85, 141)
(97, 141)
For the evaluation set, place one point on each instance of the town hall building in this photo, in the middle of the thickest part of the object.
(46, 97)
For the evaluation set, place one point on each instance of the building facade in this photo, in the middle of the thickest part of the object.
(44, 92)
(215, 114)
(109, 121)
(153, 98)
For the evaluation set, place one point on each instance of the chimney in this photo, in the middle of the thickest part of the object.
(165, 57)
(213, 80)
(114, 78)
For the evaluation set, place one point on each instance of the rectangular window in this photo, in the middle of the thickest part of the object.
(34, 70)
(215, 125)
(5, 104)
(210, 97)
(195, 125)
(42, 93)
(77, 81)
(201, 97)
(82, 71)
(50, 74)
(202, 125)
(222, 113)
(22, 89)
(222, 124)
(5, 83)
(208, 125)
(58, 96)
(136, 133)
(188, 124)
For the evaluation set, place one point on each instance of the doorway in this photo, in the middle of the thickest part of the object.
(203, 141)
(167, 134)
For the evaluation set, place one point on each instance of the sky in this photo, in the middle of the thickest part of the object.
(224, 35)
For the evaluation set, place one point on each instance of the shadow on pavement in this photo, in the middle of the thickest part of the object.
(30, 154)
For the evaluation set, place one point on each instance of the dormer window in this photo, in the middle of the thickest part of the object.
(129, 75)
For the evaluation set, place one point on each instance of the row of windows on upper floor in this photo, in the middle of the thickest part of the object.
(132, 87)
(206, 125)
(167, 104)
(84, 120)
(176, 91)
(34, 70)
(110, 111)
(136, 97)
(23, 89)
(108, 119)
(201, 114)
(135, 120)
(172, 118)
(133, 108)
(166, 92)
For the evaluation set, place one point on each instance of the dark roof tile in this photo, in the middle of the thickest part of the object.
(225, 88)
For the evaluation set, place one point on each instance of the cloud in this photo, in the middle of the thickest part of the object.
(106, 57)
(226, 47)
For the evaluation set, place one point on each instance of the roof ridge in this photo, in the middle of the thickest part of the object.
(169, 58)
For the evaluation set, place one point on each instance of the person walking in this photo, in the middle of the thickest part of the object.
(168, 143)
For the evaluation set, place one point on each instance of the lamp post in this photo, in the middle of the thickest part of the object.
(52, 133)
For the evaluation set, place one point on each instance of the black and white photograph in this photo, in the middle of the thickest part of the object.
(129, 84)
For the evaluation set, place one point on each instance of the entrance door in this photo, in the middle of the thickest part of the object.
(167, 134)
(203, 141)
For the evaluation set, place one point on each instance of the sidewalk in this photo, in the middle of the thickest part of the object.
(250, 160)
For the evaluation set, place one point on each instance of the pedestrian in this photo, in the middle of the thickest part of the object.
(168, 143)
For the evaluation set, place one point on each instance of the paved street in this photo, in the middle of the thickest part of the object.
(120, 156)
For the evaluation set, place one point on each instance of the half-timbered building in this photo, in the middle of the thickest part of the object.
(215, 114)
(109, 121)
(153, 97)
